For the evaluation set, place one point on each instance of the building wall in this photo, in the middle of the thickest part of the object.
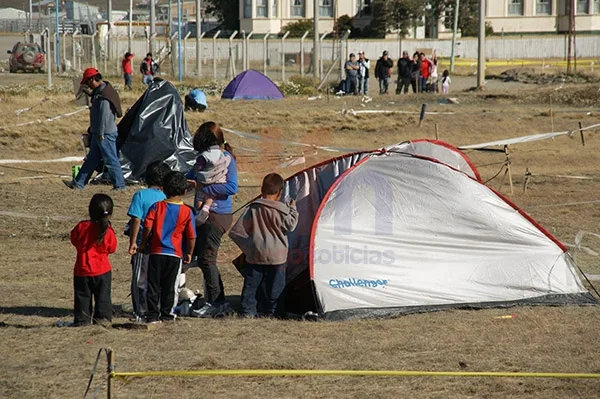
(12, 13)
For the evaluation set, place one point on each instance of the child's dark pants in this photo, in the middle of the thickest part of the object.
(97, 287)
(273, 276)
(163, 271)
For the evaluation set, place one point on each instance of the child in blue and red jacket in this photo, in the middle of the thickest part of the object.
(167, 226)
(94, 240)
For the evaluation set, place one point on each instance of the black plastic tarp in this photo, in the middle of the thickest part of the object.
(155, 129)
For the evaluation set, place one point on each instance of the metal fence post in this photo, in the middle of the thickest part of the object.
(94, 59)
(64, 48)
(343, 57)
(74, 50)
(185, 53)
(106, 52)
(321, 52)
(302, 53)
(283, 55)
(172, 47)
(215, 54)
(244, 49)
(265, 51)
(231, 60)
(48, 57)
(198, 53)
(248, 50)
(117, 59)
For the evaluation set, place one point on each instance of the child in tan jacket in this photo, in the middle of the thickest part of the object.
(261, 233)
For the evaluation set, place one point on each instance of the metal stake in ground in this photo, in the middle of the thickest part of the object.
(581, 134)
(423, 108)
(111, 368)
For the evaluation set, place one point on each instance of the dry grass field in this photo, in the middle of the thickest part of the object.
(37, 212)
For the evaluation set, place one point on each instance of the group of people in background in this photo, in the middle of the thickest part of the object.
(417, 72)
(148, 68)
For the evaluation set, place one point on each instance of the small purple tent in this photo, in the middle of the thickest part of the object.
(252, 85)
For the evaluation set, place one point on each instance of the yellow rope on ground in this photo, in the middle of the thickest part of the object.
(364, 373)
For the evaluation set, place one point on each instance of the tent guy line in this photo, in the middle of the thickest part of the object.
(526, 139)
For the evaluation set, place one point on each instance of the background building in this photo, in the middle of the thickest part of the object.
(542, 16)
(261, 16)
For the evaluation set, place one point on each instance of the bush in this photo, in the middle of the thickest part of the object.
(298, 86)
(210, 88)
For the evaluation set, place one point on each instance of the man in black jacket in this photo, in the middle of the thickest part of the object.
(404, 73)
(383, 72)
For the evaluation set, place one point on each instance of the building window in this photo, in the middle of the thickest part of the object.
(582, 6)
(596, 5)
(247, 8)
(515, 7)
(274, 9)
(326, 8)
(543, 7)
(298, 8)
(261, 8)
(364, 8)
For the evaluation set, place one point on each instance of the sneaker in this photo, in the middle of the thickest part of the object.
(71, 184)
(206, 311)
(153, 322)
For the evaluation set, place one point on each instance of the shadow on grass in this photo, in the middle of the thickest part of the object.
(41, 311)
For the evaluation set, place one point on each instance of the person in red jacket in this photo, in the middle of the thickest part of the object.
(94, 240)
(127, 69)
(426, 66)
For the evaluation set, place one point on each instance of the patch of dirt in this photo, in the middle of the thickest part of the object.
(530, 76)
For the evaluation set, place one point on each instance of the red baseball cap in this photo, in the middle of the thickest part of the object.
(89, 73)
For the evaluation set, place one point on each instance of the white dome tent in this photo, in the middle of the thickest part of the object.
(412, 228)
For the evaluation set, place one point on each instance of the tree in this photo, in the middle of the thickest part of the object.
(395, 14)
(227, 11)
(342, 24)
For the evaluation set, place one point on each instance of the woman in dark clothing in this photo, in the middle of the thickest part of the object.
(416, 72)
(211, 232)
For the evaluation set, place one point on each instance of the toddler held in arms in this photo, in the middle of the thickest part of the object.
(210, 168)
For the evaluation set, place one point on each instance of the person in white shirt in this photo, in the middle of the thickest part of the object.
(446, 82)
(363, 74)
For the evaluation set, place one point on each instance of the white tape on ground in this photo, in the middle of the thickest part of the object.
(57, 160)
(49, 119)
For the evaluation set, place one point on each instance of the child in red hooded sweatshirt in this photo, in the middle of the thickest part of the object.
(94, 240)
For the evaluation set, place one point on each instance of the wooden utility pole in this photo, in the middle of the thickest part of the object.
(454, 29)
(481, 46)
(152, 25)
(109, 30)
(571, 35)
(198, 33)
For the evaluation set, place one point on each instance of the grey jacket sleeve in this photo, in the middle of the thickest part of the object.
(290, 220)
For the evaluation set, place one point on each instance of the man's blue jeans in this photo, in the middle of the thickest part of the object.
(363, 86)
(384, 84)
(101, 149)
(147, 80)
(272, 278)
